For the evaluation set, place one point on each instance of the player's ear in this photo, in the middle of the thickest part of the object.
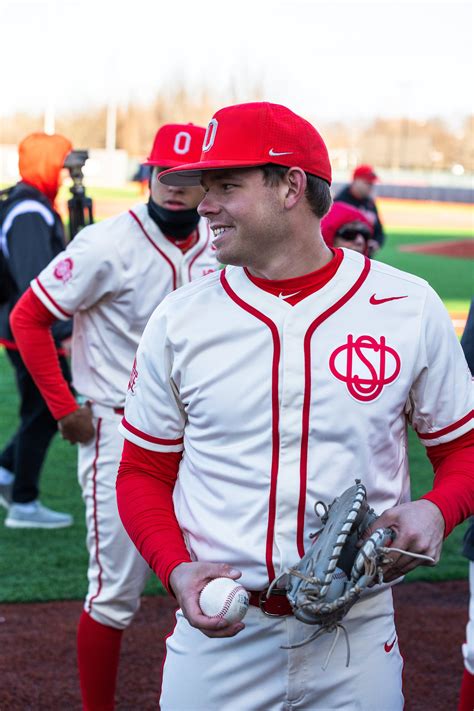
(295, 187)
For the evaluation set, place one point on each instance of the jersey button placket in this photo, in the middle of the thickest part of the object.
(291, 402)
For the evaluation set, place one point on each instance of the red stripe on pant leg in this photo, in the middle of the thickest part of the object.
(96, 525)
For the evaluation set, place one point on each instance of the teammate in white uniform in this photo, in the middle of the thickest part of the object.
(280, 380)
(111, 277)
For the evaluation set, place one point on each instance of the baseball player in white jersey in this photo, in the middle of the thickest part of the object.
(110, 278)
(267, 387)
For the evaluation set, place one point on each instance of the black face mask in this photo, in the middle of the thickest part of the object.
(177, 224)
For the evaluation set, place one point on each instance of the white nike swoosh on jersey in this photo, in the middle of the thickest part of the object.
(271, 152)
(287, 296)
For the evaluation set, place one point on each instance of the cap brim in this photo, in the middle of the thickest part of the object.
(162, 164)
(190, 174)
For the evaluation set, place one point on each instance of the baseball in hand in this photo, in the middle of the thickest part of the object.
(337, 586)
(224, 598)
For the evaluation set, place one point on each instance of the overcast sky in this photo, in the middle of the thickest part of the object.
(323, 58)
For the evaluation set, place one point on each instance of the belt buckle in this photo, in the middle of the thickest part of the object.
(262, 599)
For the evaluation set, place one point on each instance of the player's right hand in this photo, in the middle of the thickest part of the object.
(187, 580)
(77, 426)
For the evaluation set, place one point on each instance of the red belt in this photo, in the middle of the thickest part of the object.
(275, 605)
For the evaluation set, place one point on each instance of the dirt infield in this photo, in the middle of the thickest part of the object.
(38, 672)
(460, 249)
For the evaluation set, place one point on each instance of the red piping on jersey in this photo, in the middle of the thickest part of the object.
(198, 254)
(165, 257)
(448, 429)
(55, 304)
(307, 399)
(275, 418)
(149, 438)
(96, 525)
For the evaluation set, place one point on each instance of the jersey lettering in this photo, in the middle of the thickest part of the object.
(133, 378)
(365, 377)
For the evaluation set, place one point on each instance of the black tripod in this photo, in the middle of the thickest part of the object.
(79, 205)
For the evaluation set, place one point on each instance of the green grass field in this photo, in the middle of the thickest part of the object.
(453, 279)
(51, 565)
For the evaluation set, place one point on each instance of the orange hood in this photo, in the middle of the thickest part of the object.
(41, 158)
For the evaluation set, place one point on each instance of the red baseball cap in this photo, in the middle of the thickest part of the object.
(248, 135)
(365, 172)
(341, 214)
(175, 143)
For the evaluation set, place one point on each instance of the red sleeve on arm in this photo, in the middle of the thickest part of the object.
(453, 489)
(31, 322)
(145, 486)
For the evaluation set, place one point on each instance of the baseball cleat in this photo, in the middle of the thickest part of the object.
(35, 515)
(6, 495)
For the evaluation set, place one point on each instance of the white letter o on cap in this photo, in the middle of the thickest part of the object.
(182, 143)
(210, 136)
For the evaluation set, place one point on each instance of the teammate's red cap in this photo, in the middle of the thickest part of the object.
(176, 143)
(365, 172)
(254, 134)
(341, 213)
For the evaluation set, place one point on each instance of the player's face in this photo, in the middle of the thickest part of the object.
(362, 188)
(174, 198)
(245, 215)
(354, 235)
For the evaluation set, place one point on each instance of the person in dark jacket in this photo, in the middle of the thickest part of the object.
(360, 194)
(466, 700)
(31, 234)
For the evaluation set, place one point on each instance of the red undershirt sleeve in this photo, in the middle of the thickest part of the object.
(31, 324)
(145, 486)
(453, 488)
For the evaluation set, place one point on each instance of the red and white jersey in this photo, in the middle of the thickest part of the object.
(279, 406)
(111, 277)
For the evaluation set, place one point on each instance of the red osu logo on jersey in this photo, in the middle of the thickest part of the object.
(133, 378)
(365, 365)
(63, 270)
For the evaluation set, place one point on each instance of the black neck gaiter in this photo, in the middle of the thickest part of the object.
(176, 224)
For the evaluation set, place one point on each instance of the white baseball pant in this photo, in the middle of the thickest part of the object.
(250, 672)
(117, 573)
(468, 646)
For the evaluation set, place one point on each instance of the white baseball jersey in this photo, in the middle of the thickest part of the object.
(278, 406)
(111, 277)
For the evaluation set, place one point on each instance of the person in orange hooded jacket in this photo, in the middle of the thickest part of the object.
(31, 234)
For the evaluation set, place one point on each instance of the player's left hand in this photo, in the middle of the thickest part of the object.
(419, 528)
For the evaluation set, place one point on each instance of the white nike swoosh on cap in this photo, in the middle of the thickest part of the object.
(271, 152)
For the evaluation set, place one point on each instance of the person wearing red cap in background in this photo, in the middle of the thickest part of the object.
(345, 226)
(268, 387)
(110, 278)
(360, 194)
(31, 234)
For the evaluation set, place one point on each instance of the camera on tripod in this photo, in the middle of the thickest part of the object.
(79, 205)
